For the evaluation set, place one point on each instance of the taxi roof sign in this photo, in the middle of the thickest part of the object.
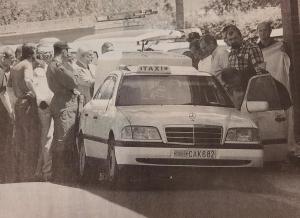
(163, 69)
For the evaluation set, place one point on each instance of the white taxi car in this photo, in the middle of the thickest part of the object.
(172, 116)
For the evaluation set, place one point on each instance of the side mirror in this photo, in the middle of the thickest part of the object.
(257, 106)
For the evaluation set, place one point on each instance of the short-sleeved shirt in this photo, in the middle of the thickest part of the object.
(61, 81)
(20, 73)
(219, 60)
(249, 56)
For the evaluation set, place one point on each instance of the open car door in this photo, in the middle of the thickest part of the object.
(263, 105)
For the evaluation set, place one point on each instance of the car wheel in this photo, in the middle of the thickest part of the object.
(87, 171)
(112, 166)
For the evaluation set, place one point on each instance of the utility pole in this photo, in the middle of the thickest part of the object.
(291, 32)
(179, 14)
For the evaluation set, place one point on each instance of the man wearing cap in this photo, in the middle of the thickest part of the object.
(44, 96)
(27, 129)
(62, 82)
(6, 118)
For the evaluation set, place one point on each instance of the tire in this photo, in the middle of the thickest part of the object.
(112, 166)
(88, 172)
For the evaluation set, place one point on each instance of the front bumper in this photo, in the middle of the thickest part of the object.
(164, 156)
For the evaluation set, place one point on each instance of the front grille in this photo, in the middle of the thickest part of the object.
(195, 135)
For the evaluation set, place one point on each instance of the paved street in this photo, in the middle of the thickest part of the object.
(274, 192)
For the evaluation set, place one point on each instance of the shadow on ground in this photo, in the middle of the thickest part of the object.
(207, 193)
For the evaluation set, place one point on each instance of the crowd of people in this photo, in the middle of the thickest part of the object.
(234, 64)
(42, 89)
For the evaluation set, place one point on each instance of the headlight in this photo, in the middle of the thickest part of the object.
(140, 133)
(242, 135)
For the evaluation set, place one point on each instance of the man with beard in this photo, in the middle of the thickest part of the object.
(244, 56)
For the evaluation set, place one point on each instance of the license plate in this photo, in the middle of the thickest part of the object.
(195, 154)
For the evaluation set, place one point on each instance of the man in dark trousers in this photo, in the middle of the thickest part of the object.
(63, 107)
(6, 118)
(27, 125)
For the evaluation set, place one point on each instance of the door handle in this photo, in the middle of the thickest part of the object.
(95, 117)
(280, 118)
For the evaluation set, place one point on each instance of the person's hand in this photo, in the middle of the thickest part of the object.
(68, 65)
(12, 116)
(76, 92)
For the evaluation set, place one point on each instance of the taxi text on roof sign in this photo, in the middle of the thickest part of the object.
(154, 69)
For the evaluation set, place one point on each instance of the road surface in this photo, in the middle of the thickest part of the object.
(273, 192)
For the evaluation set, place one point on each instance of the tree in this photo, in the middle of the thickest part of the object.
(179, 14)
(222, 6)
(10, 12)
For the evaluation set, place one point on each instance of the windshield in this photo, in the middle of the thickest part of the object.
(171, 90)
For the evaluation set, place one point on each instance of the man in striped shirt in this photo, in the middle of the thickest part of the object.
(244, 56)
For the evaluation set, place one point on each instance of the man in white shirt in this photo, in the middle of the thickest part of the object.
(216, 57)
(278, 65)
(84, 74)
(43, 97)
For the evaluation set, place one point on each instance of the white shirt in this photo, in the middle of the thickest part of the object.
(43, 93)
(219, 60)
(205, 64)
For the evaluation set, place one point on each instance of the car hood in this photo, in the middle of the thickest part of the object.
(185, 115)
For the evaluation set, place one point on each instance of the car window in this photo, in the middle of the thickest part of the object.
(106, 90)
(263, 88)
(171, 90)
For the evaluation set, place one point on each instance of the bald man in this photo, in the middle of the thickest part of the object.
(264, 30)
(84, 75)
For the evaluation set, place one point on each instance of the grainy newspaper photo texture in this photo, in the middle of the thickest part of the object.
(149, 109)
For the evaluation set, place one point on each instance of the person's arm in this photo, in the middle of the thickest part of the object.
(257, 59)
(6, 102)
(84, 78)
(4, 95)
(222, 62)
(66, 76)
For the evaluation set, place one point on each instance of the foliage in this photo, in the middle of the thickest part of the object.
(222, 6)
(9, 12)
(246, 14)
(54, 9)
